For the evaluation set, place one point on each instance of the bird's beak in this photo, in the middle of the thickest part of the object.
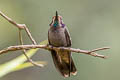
(56, 17)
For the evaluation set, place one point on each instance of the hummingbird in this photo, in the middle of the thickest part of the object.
(58, 36)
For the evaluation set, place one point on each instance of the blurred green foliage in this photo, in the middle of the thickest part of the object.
(91, 23)
(19, 62)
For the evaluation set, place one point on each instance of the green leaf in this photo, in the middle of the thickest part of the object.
(11, 65)
(27, 65)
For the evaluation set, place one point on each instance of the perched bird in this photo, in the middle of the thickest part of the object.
(58, 36)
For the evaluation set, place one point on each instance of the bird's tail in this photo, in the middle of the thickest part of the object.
(64, 63)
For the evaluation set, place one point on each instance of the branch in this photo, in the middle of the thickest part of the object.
(49, 47)
(20, 26)
(11, 21)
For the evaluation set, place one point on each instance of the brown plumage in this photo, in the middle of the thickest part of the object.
(58, 36)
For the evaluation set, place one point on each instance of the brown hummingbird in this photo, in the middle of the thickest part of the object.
(58, 36)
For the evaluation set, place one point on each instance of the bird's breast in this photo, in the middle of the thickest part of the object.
(57, 37)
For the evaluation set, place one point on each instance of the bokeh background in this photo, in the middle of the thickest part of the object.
(91, 23)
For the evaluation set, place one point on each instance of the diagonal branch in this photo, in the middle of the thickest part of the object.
(24, 52)
(20, 26)
(48, 47)
(11, 21)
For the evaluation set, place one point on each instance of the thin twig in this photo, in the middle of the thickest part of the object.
(24, 52)
(29, 35)
(11, 21)
(98, 49)
(48, 47)
(20, 26)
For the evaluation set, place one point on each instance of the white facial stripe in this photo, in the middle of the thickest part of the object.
(59, 20)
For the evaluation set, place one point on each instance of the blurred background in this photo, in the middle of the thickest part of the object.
(91, 23)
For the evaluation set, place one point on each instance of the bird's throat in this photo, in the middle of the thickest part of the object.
(55, 24)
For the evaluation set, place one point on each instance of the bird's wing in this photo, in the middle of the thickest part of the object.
(48, 38)
(68, 39)
(73, 70)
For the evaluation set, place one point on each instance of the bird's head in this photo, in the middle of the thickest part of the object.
(57, 21)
